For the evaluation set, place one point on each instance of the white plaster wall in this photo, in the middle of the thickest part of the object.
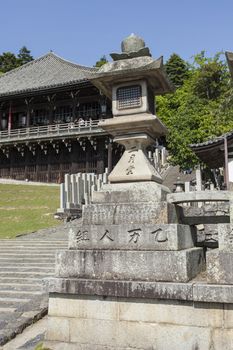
(230, 169)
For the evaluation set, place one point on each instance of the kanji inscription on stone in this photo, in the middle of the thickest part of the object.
(160, 235)
(131, 167)
(81, 236)
(107, 235)
(134, 234)
(229, 237)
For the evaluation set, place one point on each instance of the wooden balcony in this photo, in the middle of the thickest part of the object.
(50, 132)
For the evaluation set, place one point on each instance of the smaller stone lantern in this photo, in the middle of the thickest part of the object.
(131, 81)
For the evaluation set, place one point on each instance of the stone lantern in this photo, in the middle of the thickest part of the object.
(128, 241)
(131, 81)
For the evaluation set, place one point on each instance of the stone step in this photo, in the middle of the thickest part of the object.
(20, 279)
(18, 293)
(23, 266)
(11, 300)
(53, 247)
(27, 267)
(21, 287)
(25, 274)
(31, 264)
(27, 255)
(35, 241)
(32, 244)
(27, 260)
(7, 309)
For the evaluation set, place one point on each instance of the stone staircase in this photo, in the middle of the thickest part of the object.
(24, 263)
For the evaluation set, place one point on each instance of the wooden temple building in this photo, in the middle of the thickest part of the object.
(49, 122)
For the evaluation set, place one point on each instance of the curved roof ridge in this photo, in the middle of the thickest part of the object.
(25, 65)
(73, 63)
(40, 58)
(47, 71)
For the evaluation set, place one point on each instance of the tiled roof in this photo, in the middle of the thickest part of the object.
(45, 72)
(216, 140)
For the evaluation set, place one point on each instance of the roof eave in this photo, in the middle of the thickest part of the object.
(47, 89)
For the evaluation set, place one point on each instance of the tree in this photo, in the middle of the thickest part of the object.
(24, 56)
(199, 109)
(101, 62)
(210, 77)
(8, 61)
(177, 70)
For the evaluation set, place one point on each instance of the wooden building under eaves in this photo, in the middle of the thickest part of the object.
(49, 122)
(218, 152)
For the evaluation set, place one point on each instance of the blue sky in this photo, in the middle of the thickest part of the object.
(84, 30)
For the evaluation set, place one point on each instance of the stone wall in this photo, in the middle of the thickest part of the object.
(89, 322)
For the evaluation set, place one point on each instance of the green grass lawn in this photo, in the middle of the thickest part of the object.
(26, 208)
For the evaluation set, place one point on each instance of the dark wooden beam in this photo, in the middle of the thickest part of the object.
(226, 172)
(110, 156)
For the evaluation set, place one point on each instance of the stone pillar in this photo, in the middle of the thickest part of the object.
(74, 189)
(63, 199)
(68, 191)
(219, 261)
(198, 179)
(187, 186)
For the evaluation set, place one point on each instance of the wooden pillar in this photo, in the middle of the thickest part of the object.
(26, 157)
(88, 156)
(11, 161)
(28, 103)
(0, 118)
(226, 169)
(109, 156)
(51, 107)
(74, 96)
(10, 117)
(37, 156)
(49, 158)
(74, 157)
(100, 166)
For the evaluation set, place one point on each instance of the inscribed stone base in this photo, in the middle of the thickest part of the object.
(128, 213)
(102, 323)
(131, 237)
(143, 202)
(174, 266)
(219, 266)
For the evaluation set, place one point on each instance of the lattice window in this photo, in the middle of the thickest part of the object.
(129, 97)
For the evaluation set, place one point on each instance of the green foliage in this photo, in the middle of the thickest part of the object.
(101, 62)
(177, 70)
(24, 55)
(199, 109)
(210, 76)
(9, 60)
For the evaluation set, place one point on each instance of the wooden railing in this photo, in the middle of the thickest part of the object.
(45, 132)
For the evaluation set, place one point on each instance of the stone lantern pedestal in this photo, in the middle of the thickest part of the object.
(127, 243)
